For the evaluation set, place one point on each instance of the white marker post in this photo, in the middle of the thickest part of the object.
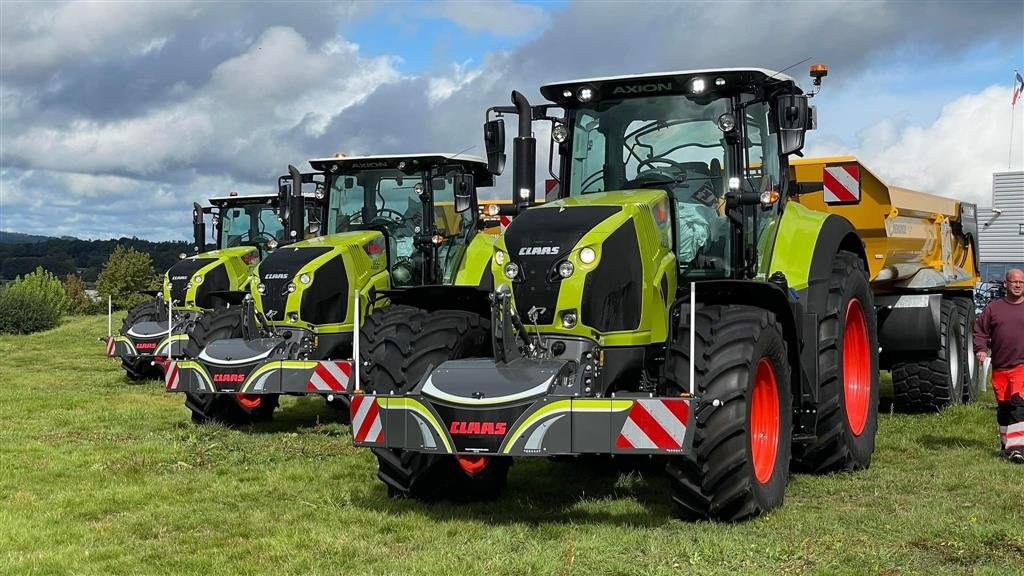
(170, 343)
(355, 340)
(693, 333)
(110, 317)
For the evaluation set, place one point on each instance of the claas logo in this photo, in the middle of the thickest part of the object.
(461, 428)
(229, 377)
(146, 346)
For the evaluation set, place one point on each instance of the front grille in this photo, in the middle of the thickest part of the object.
(554, 231)
(325, 301)
(215, 280)
(276, 271)
(181, 274)
(612, 292)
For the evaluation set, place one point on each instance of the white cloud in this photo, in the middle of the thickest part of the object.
(953, 156)
(38, 36)
(503, 18)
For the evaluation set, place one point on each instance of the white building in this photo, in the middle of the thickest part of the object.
(1001, 227)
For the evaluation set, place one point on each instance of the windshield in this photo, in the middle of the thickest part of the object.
(253, 224)
(672, 143)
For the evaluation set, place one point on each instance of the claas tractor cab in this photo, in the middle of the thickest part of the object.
(670, 302)
(244, 230)
(403, 221)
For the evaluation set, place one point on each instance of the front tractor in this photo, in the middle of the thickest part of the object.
(391, 222)
(246, 229)
(670, 302)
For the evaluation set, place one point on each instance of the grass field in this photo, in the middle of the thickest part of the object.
(100, 476)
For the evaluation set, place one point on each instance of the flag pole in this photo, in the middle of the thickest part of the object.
(1013, 106)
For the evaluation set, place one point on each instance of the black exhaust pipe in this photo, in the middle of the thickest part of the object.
(198, 228)
(524, 155)
(296, 211)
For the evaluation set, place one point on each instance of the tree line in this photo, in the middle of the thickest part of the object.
(83, 258)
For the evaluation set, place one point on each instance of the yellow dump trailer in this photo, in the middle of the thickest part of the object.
(922, 255)
(912, 240)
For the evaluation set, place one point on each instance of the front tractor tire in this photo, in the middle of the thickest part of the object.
(138, 368)
(847, 373)
(228, 409)
(929, 384)
(739, 464)
(400, 344)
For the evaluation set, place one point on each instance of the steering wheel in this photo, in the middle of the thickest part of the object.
(657, 175)
(389, 217)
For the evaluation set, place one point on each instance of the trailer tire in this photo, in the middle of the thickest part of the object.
(933, 383)
(138, 368)
(965, 306)
(227, 409)
(739, 464)
(402, 344)
(847, 408)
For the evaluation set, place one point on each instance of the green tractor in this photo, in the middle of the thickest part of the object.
(246, 229)
(671, 302)
(403, 221)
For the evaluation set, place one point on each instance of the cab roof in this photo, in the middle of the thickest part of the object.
(677, 82)
(221, 201)
(412, 162)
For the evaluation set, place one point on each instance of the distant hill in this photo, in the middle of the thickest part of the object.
(19, 238)
(63, 256)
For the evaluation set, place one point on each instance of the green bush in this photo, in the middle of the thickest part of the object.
(32, 303)
(78, 301)
(126, 273)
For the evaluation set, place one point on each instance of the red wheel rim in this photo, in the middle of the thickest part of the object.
(473, 465)
(764, 421)
(249, 401)
(856, 367)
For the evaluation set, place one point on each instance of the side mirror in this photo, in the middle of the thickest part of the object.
(198, 228)
(463, 187)
(494, 141)
(793, 116)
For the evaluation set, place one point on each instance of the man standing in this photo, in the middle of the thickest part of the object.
(999, 334)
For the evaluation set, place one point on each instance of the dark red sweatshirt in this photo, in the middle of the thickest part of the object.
(1000, 328)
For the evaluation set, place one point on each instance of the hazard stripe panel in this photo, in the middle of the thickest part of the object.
(171, 375)
(366, 421)
(111, 346)
(841, 184)
(330, 376)
(655, 424)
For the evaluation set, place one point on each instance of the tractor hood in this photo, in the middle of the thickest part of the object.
(190, 282)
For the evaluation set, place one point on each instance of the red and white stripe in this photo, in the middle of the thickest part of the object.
(111, 346)
(171, 375)
(504, 221)
(841, 184)
(1013, 437)
(366, 422)
(330, 376)
(655, 424)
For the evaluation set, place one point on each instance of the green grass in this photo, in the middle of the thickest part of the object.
(100, 476)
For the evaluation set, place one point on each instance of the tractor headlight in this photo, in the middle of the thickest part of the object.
(698, 85)
(304, 278)
(500, 258)
(565, 269)
(320, 192)
(292, 287)
(585, 94)
(293, 317)
(262, 288)
(197, 279)
(587, 255)
(493, 209)
(569, 320)
(726, 122)
(511, 270)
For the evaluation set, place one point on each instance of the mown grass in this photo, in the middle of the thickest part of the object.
(99, 476)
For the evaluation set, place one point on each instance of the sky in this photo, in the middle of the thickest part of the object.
(116, 116)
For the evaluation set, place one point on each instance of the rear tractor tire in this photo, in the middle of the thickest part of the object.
(400, 344)
(847, 373)
(138, 368)
(933, 383)
(227, 409)
(739, 464)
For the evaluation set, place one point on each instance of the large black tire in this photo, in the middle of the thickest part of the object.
(965, 308)
(228, 409)
(138, 368)
(845, 430)
(399, 344)
(932, 383)
(738, 350)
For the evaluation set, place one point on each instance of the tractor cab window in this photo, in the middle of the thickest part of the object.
(663, 142)
(456, 228)
(250, 225)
